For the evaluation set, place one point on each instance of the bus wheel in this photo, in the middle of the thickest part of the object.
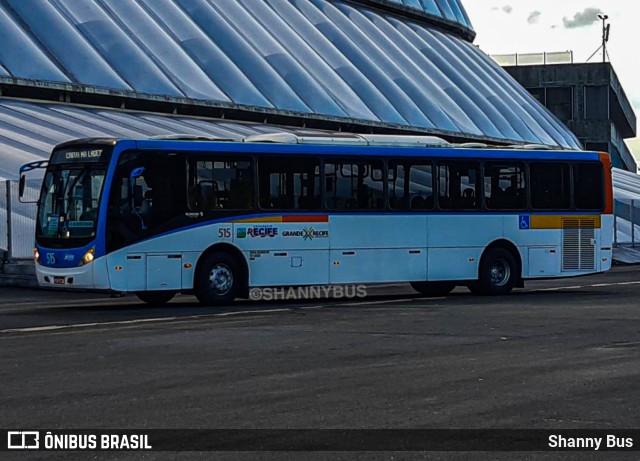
(498, 272)
(218, 279)
(433, 288)
(155, 297)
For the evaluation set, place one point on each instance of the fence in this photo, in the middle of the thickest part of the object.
(17, 219)
(627, 223)
(533, 59)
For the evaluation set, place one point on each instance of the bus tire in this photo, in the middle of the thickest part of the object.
(433, 288)
(218, 279)
(498, 273)
(155, 297)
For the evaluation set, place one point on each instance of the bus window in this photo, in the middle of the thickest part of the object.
(550, 186)
(410, 186)
(223, 183)
(505, 186)
(147, 196)
(354, 185)
(459, 185)
(588, 186)
(288, 185)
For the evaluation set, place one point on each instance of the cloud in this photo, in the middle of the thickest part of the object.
(534, 17)
(582, 18)
(507, 9)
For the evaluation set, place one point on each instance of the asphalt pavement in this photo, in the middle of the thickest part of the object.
(558, 354)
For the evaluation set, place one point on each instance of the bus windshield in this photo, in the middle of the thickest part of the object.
(69, 202)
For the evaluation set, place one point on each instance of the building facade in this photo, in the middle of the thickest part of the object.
(589, 100)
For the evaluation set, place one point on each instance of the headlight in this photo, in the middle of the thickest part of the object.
(88, 257)
(36, 255)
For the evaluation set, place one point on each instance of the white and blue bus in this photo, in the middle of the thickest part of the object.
(215, 218)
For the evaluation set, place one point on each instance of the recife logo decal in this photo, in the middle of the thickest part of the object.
(310, 233)
(262, 231)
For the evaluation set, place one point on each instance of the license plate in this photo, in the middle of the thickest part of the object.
(58, 280)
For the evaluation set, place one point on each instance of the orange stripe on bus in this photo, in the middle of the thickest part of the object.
(324, 218)
(265, 219)
(608, 183)
(283, 219)
(555, 221)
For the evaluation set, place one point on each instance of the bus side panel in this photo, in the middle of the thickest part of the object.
(286, 250)
(101, 279)
(454, 263)
(378, 231)
(291, 267)
(456, 243)
(606, 242)
(128, 270)
(540, 249)
(372, 266)
(378, 248)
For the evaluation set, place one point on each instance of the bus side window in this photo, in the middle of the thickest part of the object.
(220, 184)
(287, 185)
(410, 186)
(505, 186)
(588, 186)
(459, 183)
(354, 185)
(550, 186)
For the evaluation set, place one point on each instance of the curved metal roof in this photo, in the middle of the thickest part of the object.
(449, 10)
(29, 131)
(312, 58)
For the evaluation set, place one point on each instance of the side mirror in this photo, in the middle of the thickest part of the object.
(136, 172)
(21, 186)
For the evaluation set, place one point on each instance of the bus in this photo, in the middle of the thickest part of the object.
(215, 218)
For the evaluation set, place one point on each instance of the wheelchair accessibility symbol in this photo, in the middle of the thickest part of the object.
(525, 222)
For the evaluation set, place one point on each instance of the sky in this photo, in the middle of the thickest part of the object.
(520, 26)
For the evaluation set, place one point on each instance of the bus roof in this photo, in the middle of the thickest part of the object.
(341, 144)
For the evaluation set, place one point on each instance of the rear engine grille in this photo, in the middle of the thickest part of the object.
(578, 249)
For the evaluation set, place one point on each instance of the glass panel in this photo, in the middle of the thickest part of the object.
(354, 186)
(222, 184)
(289, 185)
(69, 202)
(560, 102)
(459, 185)
(588, 188)
(596, 102)
(410, 186)
(505, 186)
(550, 186)
(148, 196)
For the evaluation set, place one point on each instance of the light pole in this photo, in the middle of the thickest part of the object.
(605, 34)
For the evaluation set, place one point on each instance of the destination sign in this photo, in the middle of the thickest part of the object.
(92, 154)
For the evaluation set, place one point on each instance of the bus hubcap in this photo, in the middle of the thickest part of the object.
(500, 273)
(221, 279)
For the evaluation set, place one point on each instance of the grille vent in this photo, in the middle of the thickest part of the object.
(578, 249)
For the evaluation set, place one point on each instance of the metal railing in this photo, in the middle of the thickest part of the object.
(533, 59)
(17, 220)
(626, 225)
